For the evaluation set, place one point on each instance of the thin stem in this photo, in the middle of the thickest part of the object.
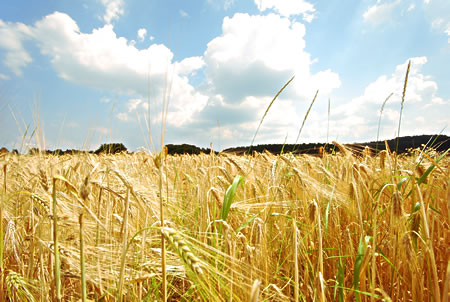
(296, 286)
(55, 245)
(2, 298)
(124, 244)
(82, 262)
(163, 243)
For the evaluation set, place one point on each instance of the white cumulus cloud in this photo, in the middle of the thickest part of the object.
(358, 119)
(255, 54)
(104, 61)
(247, 65)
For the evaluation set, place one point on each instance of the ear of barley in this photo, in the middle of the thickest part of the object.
(43, 180)
(254, 294)
(382, 159)
(42, 204)
(17, 288)
(341, 148)
(84, 189)
(397, 204)
(182, 249)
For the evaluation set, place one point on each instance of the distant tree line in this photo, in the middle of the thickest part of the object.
(186, 149)
(112, 148)
(440, 143)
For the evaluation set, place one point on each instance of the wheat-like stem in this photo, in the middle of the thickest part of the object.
(82, 261)
(124, 248)
(56, 249)
(1, 235)
(163, 243)
(437, 295)
(322, 283)
(296, 286)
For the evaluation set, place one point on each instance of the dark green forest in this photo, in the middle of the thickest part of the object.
(440, 143)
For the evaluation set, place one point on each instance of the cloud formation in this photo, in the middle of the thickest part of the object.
(380, 13)
(287, 8)
(142, 32)
(103, 61)
(113, 10)
(12, 37)
(240, 72)
(359, 118)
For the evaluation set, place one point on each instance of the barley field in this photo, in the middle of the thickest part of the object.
(260, 227)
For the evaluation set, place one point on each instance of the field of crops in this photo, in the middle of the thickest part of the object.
(261, 227)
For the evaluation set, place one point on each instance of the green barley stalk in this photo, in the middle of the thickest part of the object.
(267, 110)
(401, 108)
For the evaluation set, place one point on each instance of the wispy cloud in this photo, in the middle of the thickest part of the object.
(288, 8)
(183, 13)
(380, 13)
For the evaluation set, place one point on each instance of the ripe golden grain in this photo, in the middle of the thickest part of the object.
(182, 249)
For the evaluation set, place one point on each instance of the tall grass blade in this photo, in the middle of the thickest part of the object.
(340, 281)
(229, 195)
(267, 110)
(379, 120)
(430, 168)
(304, 119)
(358, 263)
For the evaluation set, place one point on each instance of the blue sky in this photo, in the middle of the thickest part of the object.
(82, 73)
